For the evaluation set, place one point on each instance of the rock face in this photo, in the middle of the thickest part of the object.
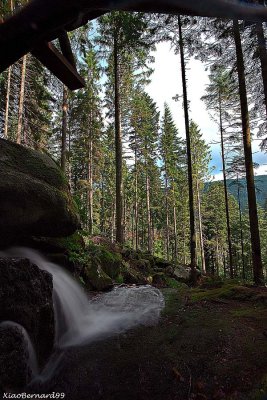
(94, 276)
(14, 369)
(26, 298)
(34, 195)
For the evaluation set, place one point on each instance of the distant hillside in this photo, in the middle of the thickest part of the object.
(261, 190)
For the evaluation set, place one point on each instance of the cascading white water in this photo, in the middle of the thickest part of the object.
(80, 320)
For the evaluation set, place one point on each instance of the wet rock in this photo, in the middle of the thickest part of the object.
(14, 369)
(182, 273)
(161, 263)
(131, 276)
(94, 276)
(26, 298)
(35, 199)
(142, 266)
(111, 263)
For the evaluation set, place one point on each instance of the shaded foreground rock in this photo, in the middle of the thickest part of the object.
(14, 370)
(26, 298)
(34, 199)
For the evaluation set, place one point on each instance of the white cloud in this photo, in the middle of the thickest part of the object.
(166, 83)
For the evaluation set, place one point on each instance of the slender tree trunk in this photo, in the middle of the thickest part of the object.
(184, 247)
(8, 90)
(167, 218)
(149, 236)
(118, 146)
(175, 230)
(7, 102)
(125, 219)
(201, 231)
(241, 231)
(132, 223)
(189, 161)
(252, 203)
(136, 197)
(64, 130)
(102, 224)
(113, 222)
(229, 237)
(263, 59)
(90, 178)
(69, 160)
(21, 98)
(217, 256)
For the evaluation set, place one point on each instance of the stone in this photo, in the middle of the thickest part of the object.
(181, 273)
(161, 263)
(142, 266)
(26, 299)
(94, 276)
(131, 276)
(34, 196)
(14, 368)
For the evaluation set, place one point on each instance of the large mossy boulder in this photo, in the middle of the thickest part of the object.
(94, 277)
(34, 195)
(26, 299)
(182, 273)
(111, 262)
(132, 276)
(142, 266)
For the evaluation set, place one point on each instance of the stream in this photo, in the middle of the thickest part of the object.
(81, 319)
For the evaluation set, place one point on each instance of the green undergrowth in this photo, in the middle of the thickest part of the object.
(230, 291)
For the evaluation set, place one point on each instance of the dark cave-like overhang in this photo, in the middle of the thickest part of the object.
(32, 28)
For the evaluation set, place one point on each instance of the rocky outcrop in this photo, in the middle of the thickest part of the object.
(34, 195)
(26, 299)
(14, 367)
(94, 277)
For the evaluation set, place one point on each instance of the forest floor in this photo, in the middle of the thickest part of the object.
(209, 344)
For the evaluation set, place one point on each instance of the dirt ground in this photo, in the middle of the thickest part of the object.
(209, 344)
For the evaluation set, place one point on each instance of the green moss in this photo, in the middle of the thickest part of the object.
(173, 283)
(230, 291)
(173, 300)
(94, 277)
(119, 279)
(32, 162)
(110, 262)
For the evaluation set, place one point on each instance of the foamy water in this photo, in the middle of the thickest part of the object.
(80, 320)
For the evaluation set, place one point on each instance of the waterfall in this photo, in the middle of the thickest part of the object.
(80, 320)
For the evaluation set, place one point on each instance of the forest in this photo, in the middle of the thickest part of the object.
(117, 150)
(127, 271)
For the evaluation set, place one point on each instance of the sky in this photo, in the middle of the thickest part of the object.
(166, 83)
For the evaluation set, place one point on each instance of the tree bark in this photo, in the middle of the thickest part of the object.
(229, 238)
(90, 177)
(21, 98)
(175, 227)
(252, 203)
(241, 230)
(148, 215)
(189, 160)
(64, 130)
(8, 89)
(136, 196)
(263, 59)
(7, 102)
(118, 145)
(167, 217)
(202, 252)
